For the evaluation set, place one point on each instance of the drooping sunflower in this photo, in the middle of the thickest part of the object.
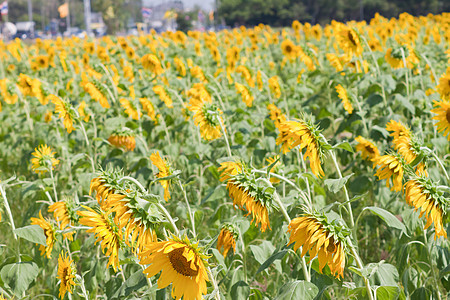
(421, 193)
(105, 231)
(148, 107)
(391, 165)
(130, 109)
(180, 67)
(64, 110)
(82, 111)
(443, 88)
(306, 135)
(206, 113)
(50, 234)
(139, 223)
(246, 95)
(368, 149)
(164, 171)
(43, 158)
(123, 138)
(274, 86)
(394, 57)
(442, 111)
(163, 95)
(276, 115)
(248, 195)
(181, 263)
(227, 239)
(315, 234)
(7, 91)
(398, 130)
(105, 184)
(342, 94)
(349, 41)
(245, 72)
(97, 92)
(259, 80)
(197, 72)
(25, 84)
(64, 213)
(66, 274)
(229, 168)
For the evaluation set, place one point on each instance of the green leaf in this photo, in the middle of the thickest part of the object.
(334, 185)
(387, 274)
(389, 218)
(271, 259)
(405, 103)
(421, 294)
(344, 145)
(298, 289)
(133, 283)
(18, 276)
(444, 271)
(387, 293)
(32, 233)
(240, 290)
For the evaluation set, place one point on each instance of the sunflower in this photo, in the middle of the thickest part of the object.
(105, 184)
(139, 223)
(247, 97)
(398, 130)
(442, 111)
(42, 61)
(130, 109)
(43, 157)
(422, 194)
(66, 274)
(82, 111)
(164, 171)
(276, 114)
(181, 263)
(148, 107)
(245, 73)
(123, 139)
(163, 95)
(63, 108)
(342, 94)
(326, 240)
(274, 86)
(349, 41)
(303, 134)
(180, 67)
(248, 195)
(37, 91)
(6, 91)
(229, 168)
(394, 57)
(96, 91)
(391, 165)
(275, 167)
(105, 231)
(227, 239)
(443, 88)
(259, 80)
(289, 49)
(50, 234)
(25, 84)
(206, 114)
(197, 72)
(63, 212)
(368, 149)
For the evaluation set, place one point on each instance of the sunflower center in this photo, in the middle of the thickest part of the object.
(370, 150)
(288, 49)
(447, 115)
(180, 263)
(351, 38)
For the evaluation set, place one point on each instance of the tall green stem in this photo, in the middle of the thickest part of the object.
(224, 135)
(347, 198)
(8, 211)
(360, 265)
(191, 215)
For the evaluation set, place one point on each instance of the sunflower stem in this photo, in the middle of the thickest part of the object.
(347, 198)
(438, 161)
(288, 219)
(225, 136)
(166, 213)
(53, 181)
(8, 211)
(191, 215)
(141, 187)
(407, 71)
(431, 67)
(216, 291)
(360, 265)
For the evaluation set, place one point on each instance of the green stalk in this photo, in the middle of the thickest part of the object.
(8, 211)
(224, 135)
(191, 215)
(360, 265)
(347, 198)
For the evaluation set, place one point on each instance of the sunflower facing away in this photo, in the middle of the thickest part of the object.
(43, 157)
(164, 171)
(181, 263)
(327, 241)
(66, 274)
(276, 115)
(274, 86)
(342, 94)
(63, 212)
(105, 232)
(130, 109)
(123, 139)
(227, 239)
(423, 195)
(305, 135)
(442, 111)
(63, 108)
(368, 149)
(50, 234)
(246, 95)
(391, 165)
(97, 93)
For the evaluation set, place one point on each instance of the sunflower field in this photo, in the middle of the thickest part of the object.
(309, 162)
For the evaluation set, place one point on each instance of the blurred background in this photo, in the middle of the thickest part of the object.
(52, 18)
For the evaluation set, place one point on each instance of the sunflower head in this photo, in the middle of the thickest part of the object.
(391, 165)
(164, 170)
(123, 138)
(326, 239)
(442, 111)
(181, 263)
(44, 158)
(425, 196)
(106, 183)
(227, 239)
(64, 213)
(50, 234)
(66, 274)
(368, 149)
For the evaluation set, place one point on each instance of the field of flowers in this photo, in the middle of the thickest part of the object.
(265, 163)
